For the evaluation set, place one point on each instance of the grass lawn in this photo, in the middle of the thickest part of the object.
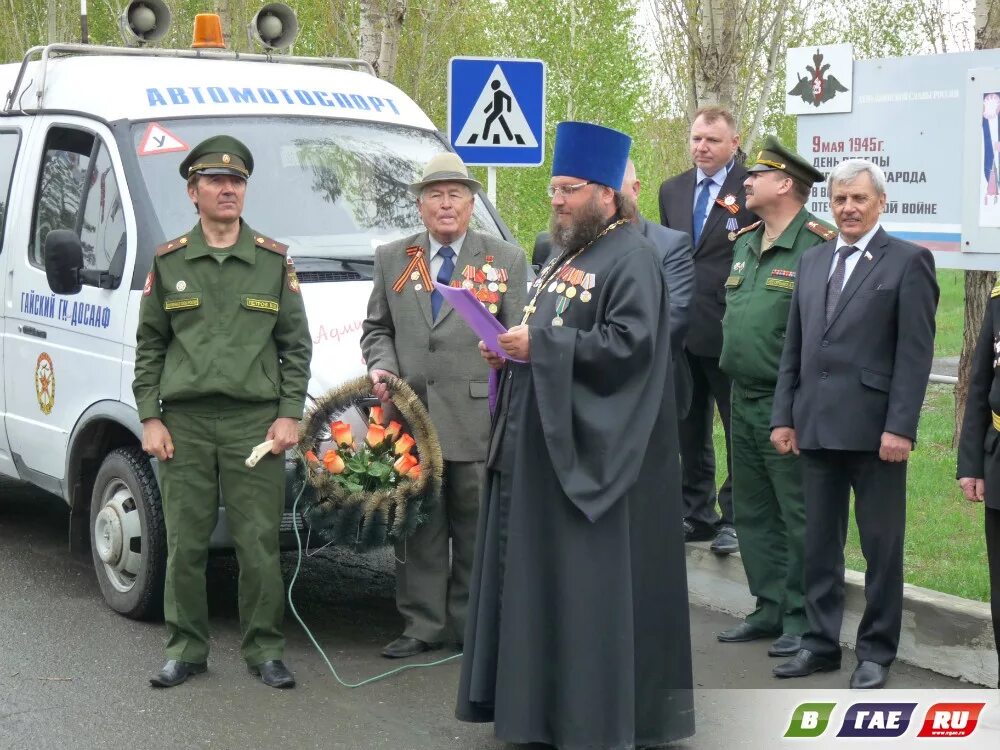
(950, 313)
(945, 545)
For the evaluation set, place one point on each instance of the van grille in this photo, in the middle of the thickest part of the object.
(317, 277)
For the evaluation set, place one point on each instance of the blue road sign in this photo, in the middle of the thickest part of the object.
(496, 111)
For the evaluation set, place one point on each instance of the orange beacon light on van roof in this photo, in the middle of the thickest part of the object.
(207, 32)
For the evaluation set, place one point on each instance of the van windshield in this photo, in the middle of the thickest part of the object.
(327, 188)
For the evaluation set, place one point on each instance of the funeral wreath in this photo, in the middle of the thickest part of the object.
(374, 482)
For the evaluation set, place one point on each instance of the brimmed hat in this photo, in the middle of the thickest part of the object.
(775, 156)
(590, 152)
(445, 167)
(220, 154)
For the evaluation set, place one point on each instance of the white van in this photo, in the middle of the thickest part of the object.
(90, 141)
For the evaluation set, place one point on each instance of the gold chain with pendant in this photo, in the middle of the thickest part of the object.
(557, 267)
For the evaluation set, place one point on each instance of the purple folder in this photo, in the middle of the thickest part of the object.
(482, 322)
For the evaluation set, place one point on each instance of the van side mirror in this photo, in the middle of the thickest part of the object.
(64, 264)
(63, 261)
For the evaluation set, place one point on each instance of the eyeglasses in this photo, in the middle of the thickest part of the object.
(564, 190)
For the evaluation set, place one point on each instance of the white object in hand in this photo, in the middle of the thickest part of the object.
(258, 453)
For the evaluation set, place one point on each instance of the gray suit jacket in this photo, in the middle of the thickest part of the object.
(842, 384)
(677, 264)
(440, 359)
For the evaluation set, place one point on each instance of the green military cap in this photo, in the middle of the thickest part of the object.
(220, 154)
(776, 156)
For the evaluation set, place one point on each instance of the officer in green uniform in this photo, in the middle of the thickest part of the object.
(222, 364)
(979, 445)
(767, 487)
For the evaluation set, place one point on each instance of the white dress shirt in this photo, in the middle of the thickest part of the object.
(855, 257)
(436, 260)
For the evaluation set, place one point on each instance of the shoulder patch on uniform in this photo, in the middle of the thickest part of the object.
(996, 290)
(268, 244)
(748, 228)
(821, 229)
(170, 246)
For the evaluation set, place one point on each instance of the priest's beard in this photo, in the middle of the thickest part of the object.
(588, 222)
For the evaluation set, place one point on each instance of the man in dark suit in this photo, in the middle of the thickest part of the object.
(858, 351)
(674, 251)
(708, 203)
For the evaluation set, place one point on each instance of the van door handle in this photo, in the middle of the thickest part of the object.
(31, 331)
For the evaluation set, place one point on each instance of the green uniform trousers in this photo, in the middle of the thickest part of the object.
(210, 447)
(432, 587)
(769, 509)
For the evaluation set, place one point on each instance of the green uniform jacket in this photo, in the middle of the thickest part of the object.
(235, 329)
(758, 296)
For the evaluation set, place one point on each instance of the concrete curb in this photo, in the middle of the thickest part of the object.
(941, 632)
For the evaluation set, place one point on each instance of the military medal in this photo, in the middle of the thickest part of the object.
(552, 287)
(181, 285)
(547, 275)
(493, 309)
(587, 283)
(561, 287)
(729, 203)
(733, 226)
(561, 304)
(571, 292)
(416, 270)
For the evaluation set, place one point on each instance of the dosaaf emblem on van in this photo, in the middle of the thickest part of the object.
(45, 383)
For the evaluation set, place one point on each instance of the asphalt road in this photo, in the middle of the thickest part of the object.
(73, 674)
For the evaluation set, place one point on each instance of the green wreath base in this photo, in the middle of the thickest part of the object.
(367, 520)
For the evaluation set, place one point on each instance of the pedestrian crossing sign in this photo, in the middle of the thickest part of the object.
(496, 111)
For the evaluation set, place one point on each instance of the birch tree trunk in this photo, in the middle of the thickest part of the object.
(391, 30)
(977, 283)
(370, 34)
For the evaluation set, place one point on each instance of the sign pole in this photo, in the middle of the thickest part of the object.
(491, 184)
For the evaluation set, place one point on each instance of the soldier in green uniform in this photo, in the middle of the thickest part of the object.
(767, 487)
(221, 365)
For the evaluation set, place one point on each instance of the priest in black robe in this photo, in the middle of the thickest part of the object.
(578, 633)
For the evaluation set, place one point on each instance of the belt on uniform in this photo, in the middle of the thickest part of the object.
(996, 421)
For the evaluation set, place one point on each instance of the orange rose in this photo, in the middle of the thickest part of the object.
(393, 430)
(414, 473)
(341, 432)
(375, 436)
(333, 462)
(404, 444)
(375, 415)
(311, 459)
(405, 463)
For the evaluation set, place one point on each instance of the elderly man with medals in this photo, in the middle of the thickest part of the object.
(578, 632)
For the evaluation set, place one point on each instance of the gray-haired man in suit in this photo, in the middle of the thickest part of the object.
(413, 333)
(854, 369)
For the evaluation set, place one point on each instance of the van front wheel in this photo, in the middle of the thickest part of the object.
(127, 535)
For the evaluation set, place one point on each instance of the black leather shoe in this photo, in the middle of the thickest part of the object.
(805, 662)
(274, 674)
(785, 645)
(744, 632)
(697, 532)
(869, 676)
(725, 542)
(406, 646)
(175, 672)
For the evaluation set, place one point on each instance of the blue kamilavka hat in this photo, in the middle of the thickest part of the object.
(590, 152)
